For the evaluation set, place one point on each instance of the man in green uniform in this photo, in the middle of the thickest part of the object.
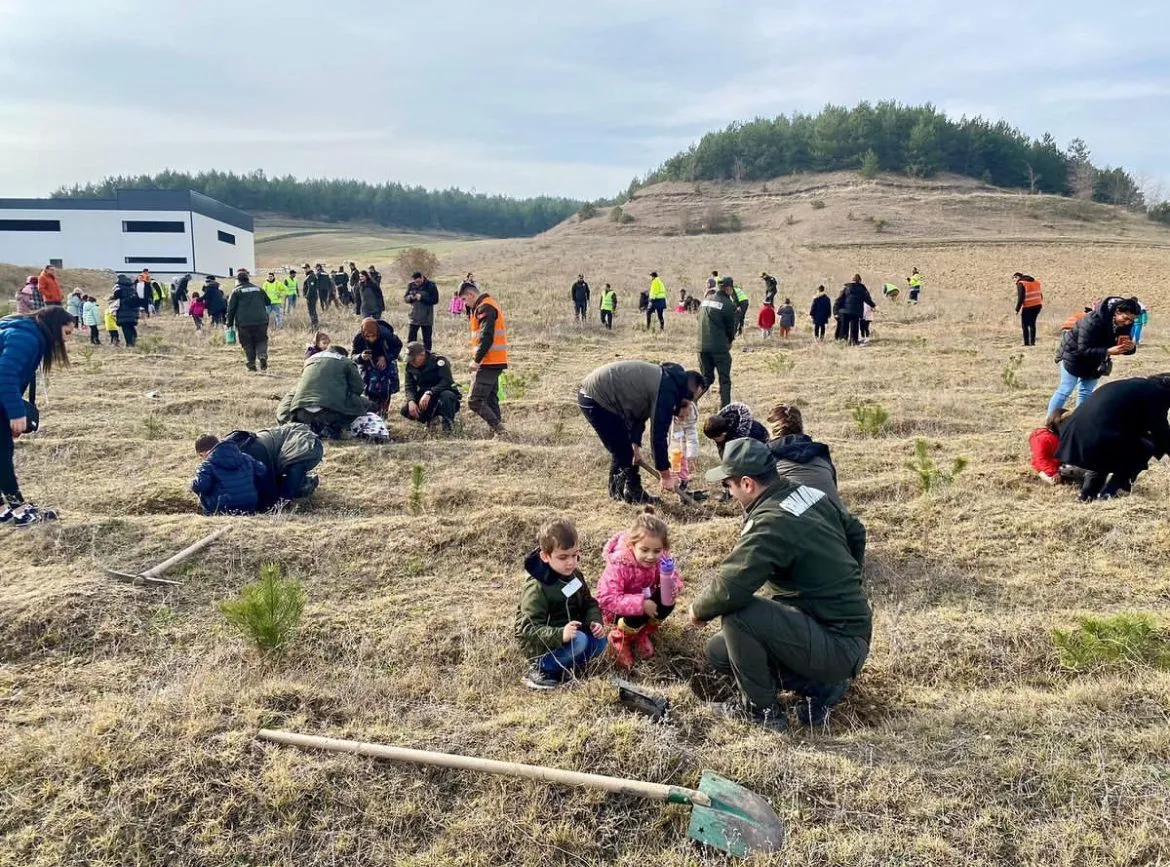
(809, 631)
(717, 326)
(431, 393)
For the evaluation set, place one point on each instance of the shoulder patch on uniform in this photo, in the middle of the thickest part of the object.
(709, 303)
(441, 362)
(747, 527)
(801, 500)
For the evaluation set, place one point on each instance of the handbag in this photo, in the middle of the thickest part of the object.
(229, 336)
(32, 415)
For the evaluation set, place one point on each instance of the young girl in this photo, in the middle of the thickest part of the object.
(1044, 442)
(320, 344)
(112, 323)
(787, 315)
(91, 317)
(73, 306)
(455, 308)
(866, 318)
(639, 587)
(196, 310)
(684, 443)
(767, 320)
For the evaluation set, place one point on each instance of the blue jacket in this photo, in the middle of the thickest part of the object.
(226, 481)
(21, 347)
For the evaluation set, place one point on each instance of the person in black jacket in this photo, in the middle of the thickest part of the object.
(771, 287)
(376, 349)
(126, 294)
(1088, 348)
(214, 301)
(431, 392)
(370, 303)
(422, 295)
(820, 313)
(853, 299)
(1115, 432)
(580, 295)
(179, 295)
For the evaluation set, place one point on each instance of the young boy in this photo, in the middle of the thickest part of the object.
(226, 480)
(112, 323)
(558, 622)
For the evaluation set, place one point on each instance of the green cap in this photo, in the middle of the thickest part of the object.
(743, 457)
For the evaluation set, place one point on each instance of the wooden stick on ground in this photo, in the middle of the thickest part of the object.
(153, 575)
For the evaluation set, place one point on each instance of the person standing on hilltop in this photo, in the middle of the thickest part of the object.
(657, 297)
(580, 295)
(820, 313)
(1029, 303)
(422, 295)
(311, 295)
(854, 297)
(771, 287)
(742, 302)
(489, 355)
(717, 330)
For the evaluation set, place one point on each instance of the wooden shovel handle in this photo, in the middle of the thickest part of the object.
(190, 551)
(616, 785)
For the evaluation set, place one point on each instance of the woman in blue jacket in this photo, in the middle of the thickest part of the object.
(37, 340)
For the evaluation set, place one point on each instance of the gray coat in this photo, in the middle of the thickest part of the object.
(805, 462)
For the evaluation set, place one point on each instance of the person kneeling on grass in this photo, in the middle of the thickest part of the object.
(227, 480)
(431, 394)
(558, 622)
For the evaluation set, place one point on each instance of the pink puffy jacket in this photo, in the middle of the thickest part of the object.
(621, 590)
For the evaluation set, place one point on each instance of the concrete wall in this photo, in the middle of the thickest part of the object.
(213, 256)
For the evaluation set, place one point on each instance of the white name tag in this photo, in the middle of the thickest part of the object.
(572, 587)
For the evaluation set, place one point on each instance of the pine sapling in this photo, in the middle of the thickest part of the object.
(267, 611)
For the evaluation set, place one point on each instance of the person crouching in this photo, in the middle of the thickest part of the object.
(226, 480)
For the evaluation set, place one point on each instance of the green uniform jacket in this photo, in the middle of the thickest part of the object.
(248, 305)
(328, 381)
(717, 324)
(545, 611)
(805, 551)
(434, 376)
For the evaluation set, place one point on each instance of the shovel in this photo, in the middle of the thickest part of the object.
(724, 815)
(152, 575)
(687, 498)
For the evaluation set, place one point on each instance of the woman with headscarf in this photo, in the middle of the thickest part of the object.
(370, 302)
(799, 458)
(376, 349)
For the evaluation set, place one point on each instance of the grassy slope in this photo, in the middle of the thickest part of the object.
(282, 242)
(127, 715)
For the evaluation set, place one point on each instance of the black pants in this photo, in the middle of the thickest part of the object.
(485, 395)
(8, 484)
(311, 303)
(640, 620)
(445, 404)
(114, 337)
(1028, 316)
(740, 314)
(842, 332)
(607, 319)
(294, 478)
(712, 362)
(865, 328)
(580, 309)
(130, 332)
(611, 430)
(94, 336)
(658, 305)
(219, 318)
(254, 340)
(426, 330)
(853, 329)
(1121, 472)
(819, 330)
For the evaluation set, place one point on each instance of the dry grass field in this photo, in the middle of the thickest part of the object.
(128, 715)
(283, 242)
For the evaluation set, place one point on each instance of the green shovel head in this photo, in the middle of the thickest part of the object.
(738, 821)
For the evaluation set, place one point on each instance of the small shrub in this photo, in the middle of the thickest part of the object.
(618, 215)
(817, 204)
(879, 225)
(154, 427)
(781, 363)
(587, 211)
(734, 223)
(790, 220)
(1127, 640)
(267, 611)
(151, 344)
(851, 216)
(92, 364)
(1011, 372)
(927, 474)
(416, 489)
(871, 418)
(1160, 213)
(870, 164)
(415, 259)
(515, 385)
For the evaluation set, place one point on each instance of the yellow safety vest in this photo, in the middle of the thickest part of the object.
(740, 295)
(290, 287)
(915, 281)
(657, 289)
(608, 300)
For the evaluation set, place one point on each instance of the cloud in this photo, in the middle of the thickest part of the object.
(522, 98)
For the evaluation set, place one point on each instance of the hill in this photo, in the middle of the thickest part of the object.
(128, 715)
(281, 242)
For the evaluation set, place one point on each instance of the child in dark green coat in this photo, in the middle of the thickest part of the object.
(558, 622)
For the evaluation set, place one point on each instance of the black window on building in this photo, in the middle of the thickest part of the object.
(154, 226)
(227, 237)
(56, 263)
(156, 260)
(30, 225)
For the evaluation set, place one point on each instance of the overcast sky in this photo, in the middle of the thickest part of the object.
(571, 98)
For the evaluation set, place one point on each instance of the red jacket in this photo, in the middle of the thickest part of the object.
(50, 288)
(621, 590)
(767, 317)
(1044, 443)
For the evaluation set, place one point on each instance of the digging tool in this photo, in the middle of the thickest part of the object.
(688, 498)
(724, 815)
(152, 575)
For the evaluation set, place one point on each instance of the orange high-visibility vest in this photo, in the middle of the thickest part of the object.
(1033, 297)
(498, 354)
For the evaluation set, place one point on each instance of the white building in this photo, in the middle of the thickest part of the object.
(167, 231)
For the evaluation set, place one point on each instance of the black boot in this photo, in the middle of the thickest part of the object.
(617, 482)
(819, 699)
(633, 490)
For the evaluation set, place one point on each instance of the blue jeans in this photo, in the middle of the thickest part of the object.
(277, 311)
(1068, 382)
(576, 653)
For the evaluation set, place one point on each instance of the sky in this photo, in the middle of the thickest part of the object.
(528, 98)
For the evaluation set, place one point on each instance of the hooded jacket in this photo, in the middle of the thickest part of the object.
(328, 381)
(621, 591)
(639, 392)
(544, 610)
(213, 298)
(91, 315)
(1084, 347)
(277, 448)
(805, 462)
(126, 294)
(227, 481)
(22, 345)
(28, 299)
(1117, 421)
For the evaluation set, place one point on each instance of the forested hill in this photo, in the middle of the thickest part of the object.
(889, 137)
(389, 204)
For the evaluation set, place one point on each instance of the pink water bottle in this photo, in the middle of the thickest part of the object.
(666, 580)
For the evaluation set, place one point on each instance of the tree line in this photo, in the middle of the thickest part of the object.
(388, 204)
(917, 140)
